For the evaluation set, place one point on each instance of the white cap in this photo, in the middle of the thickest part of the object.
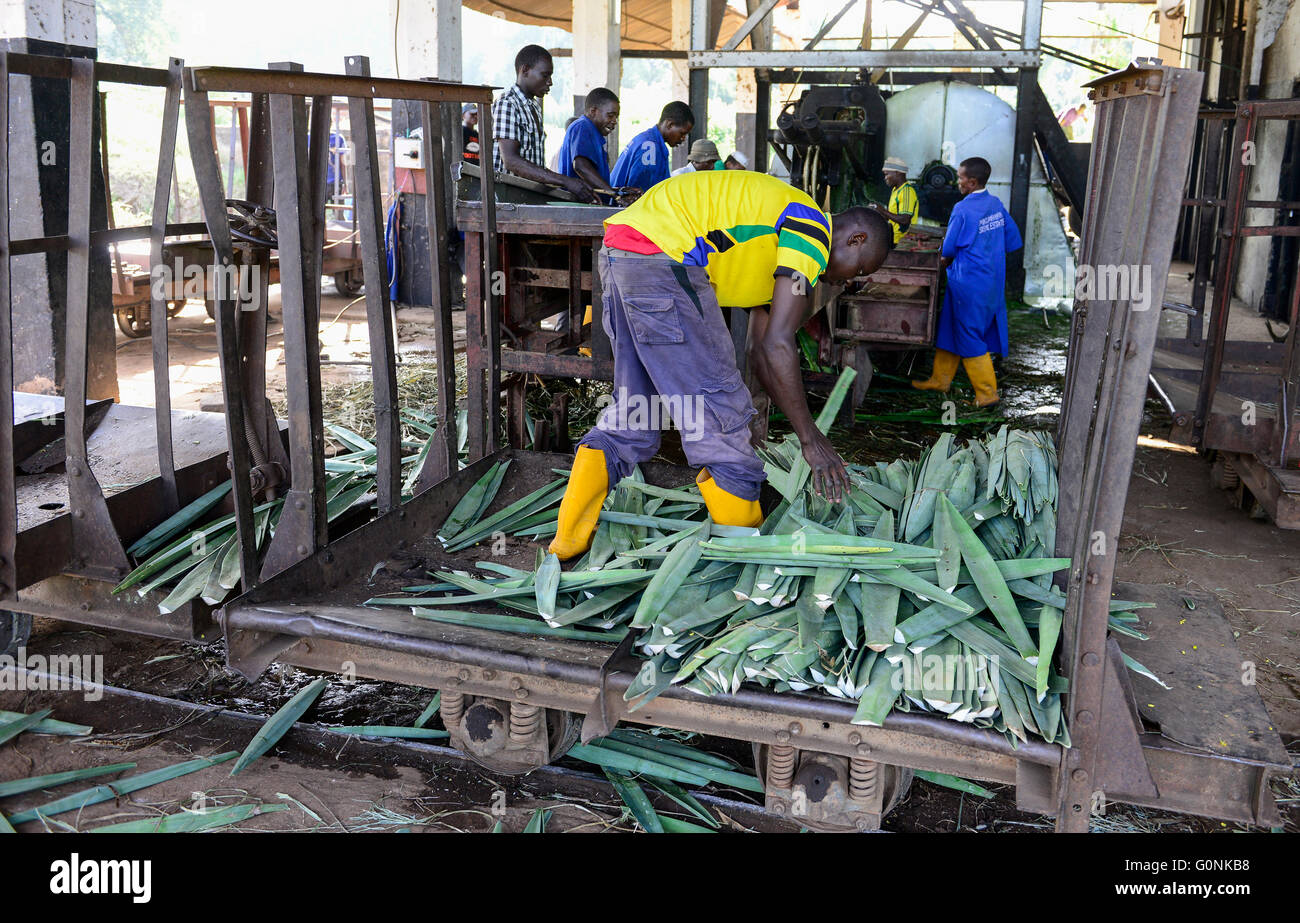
(739, 158)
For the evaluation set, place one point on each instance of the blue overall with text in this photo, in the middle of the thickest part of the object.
(644, 162)
(979, 237)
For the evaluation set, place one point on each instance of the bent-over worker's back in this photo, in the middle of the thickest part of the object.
(743, 227)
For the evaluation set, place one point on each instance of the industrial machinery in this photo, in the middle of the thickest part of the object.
(1204, 745)
(936, 191)
(832, 143)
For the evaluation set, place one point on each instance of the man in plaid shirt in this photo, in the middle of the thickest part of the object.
(520, 139)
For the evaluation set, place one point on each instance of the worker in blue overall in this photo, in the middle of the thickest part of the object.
(973, 322)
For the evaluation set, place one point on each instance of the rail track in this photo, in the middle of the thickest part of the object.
(138, 719)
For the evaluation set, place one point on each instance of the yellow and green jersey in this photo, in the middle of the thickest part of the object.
(902, 201)
(745, 227)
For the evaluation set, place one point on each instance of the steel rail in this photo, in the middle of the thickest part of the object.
(309, 738)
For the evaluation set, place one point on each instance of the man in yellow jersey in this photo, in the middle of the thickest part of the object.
(903, 207)
(689, 245)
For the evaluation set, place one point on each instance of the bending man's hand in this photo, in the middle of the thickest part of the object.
(829, 476)
(776, 362)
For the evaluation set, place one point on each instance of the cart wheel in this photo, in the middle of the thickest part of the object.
(133, 320)
(175, 307)
(482, 735)
(15, 629)
(349, 283)
(897, 781)
(252, 223)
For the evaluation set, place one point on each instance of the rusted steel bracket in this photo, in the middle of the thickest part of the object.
(207, 173)
(299, 195)
(157, 303)
(616, 675)
(1139, 160)
(97, 550)
(1121, 772)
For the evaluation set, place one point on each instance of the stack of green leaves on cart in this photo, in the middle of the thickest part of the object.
(196, 554)
(929, 589)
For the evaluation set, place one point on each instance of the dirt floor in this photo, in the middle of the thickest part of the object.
(1178, 530)
(345, 350)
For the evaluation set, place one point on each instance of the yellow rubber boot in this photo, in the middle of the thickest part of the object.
(580, 508)
(945, 367)
(980, 371)
(727, 509)
(586, 319)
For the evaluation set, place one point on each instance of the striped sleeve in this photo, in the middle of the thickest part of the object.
(803, 242)
(907, 204)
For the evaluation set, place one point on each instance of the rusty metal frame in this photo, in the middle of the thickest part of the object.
(299, 617)
(298, 169)
(1146, 119)
(297, 165)
(310, 616)
(875, 322)
(1206, 379)
(93, 546)
(1249, 114)
(441, 461)
(574, 228)
(379, 310)
(157, 303)
(1220, 215)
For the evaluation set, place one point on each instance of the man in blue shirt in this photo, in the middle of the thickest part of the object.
(583, 153)
(645, 161)
(973, 322)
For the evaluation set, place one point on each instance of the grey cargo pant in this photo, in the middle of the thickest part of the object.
(673, 361)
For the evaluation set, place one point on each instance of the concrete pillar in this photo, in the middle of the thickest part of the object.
(680, 41)
(747, 86)
(68, 22)
(428, 43)
(1171, 39)
(597, 60)
(38, 178)
(428, 38)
